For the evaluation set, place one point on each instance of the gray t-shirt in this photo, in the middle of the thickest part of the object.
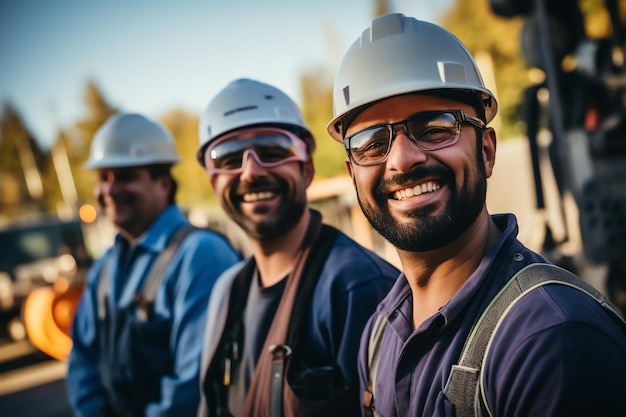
(258, 315)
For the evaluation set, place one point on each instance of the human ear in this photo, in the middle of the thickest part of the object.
(349, 167)
(308, 170)
(489, 150)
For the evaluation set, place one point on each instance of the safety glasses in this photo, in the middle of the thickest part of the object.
(430, 130)
(270, 147)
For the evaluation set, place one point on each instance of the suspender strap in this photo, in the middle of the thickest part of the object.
(310, 275)
(462, 387)
(265, 395)
(102, 289)
(373, 354)
(145, 299)
(217, 381)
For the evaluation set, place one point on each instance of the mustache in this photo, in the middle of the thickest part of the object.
(384, 184)
(117, 199)
(256, 185)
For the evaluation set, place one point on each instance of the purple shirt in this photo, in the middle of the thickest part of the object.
(557, 353)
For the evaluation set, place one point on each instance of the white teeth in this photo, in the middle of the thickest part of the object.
(263, 195)
(417, 190)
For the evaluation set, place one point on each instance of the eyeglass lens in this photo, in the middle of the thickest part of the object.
(268, 148)
(431, 130)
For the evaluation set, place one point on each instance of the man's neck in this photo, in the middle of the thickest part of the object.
(277, 257)
(436, 276)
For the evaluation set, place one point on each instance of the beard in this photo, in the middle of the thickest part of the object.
(427, 231)
(286, 216)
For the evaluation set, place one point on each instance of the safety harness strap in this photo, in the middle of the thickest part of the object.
(145, 298)
(373, 354)
(464, 387)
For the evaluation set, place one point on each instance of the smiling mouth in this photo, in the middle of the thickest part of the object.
(263, 195)
(419, 189)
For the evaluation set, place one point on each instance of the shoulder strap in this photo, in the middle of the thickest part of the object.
(462, 387)
(265, 394)
(151, 284)
(146, 297)
(144, 300)
(102, 288)
(373, 354)
(218, 377)
(312, 270)
(302, 300)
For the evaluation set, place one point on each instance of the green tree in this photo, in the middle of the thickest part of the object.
(194, 188)
(317, 109)
(21, 165)
(76, 140)
(597, 20)
(381, 7)
(482, 31)
(495, 42)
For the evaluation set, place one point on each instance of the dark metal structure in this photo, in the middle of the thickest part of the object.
(587, 119)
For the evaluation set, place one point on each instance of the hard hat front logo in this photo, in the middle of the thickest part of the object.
(239, 109)
(138, 150)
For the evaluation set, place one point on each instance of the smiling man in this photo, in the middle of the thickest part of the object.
(136, 334)
(412, 113)
(298, 305)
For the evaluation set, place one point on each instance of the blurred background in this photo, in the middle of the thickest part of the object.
(556, 67)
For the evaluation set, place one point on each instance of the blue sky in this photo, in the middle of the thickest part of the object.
(151, 56)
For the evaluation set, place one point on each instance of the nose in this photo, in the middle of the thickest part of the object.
(105, 188)
(251, 165)
(404, 152)
(108, 184)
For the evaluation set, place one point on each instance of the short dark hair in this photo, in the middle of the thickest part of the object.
(164, 170)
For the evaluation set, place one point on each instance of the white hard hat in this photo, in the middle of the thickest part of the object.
(399, 55)
(245, 103)
(128, 139)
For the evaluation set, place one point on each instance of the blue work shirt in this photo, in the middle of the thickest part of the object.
(180, 303)
(557, 352)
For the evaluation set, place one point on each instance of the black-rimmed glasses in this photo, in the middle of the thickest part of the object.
(430, 130)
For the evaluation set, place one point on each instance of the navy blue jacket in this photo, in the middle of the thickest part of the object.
(352, 282)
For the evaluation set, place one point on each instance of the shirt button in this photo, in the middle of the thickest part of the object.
(518, 257)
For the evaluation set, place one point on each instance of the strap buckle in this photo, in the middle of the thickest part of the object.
(276, 350)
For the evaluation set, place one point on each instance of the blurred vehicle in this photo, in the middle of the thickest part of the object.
(42, 268)
(585, 80)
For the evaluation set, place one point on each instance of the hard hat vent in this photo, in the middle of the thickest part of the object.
(452, 72)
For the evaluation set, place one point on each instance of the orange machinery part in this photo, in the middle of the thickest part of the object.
(48, 313)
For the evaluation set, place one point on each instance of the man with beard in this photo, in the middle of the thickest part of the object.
(411, 110)
(137, 332)
(298, 305)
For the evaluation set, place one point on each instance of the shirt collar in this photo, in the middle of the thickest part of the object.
(399, 302)
(156, 237)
